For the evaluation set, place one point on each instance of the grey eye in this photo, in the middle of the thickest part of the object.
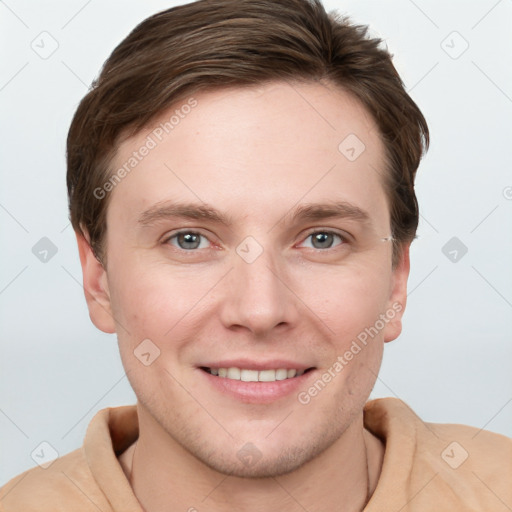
(324, 239)
(186, 240)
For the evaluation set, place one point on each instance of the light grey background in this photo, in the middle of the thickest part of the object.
(453, 362)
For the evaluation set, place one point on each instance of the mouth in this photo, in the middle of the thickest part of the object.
(252, 375)
(256, 383)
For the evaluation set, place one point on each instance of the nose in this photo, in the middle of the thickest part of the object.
(258, 297)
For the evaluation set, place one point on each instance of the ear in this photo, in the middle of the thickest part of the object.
(398, 295)
(95, 286)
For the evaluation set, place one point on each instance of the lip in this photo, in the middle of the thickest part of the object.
(257, 392)
(251, 364)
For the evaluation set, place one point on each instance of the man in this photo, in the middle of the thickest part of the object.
(241, 183)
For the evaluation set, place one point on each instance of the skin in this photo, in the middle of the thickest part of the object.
(255, 154)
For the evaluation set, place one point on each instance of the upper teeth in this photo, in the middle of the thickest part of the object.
(255, 375)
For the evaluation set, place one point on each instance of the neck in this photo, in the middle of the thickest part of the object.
(343, 477)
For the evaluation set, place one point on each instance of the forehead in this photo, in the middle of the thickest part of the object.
(251, 150)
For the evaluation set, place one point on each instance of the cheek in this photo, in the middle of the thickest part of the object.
(147, 298)
(347, 299)
(162, 303)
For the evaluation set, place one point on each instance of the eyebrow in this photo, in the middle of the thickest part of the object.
(194, 211)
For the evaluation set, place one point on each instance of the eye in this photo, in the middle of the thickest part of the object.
(325, 239)
(187, 240)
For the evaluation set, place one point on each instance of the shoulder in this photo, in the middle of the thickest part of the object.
(393, 417)
(67, 484)
(87, 479)
(455, 467)
(472, 466)
(484, 456)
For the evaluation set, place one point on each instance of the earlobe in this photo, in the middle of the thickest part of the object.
(398, 295)
(95, 287)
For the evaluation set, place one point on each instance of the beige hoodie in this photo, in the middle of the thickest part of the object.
(427, 467)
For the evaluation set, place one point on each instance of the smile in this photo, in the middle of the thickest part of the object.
(249, 375)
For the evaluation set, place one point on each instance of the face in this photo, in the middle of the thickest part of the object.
(249, 276)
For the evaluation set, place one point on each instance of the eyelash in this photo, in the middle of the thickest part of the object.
(343, 238)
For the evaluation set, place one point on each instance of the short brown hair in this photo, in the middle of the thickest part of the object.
(212, 44)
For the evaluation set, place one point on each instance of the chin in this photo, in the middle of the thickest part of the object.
(266, 458)
(258, 465)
